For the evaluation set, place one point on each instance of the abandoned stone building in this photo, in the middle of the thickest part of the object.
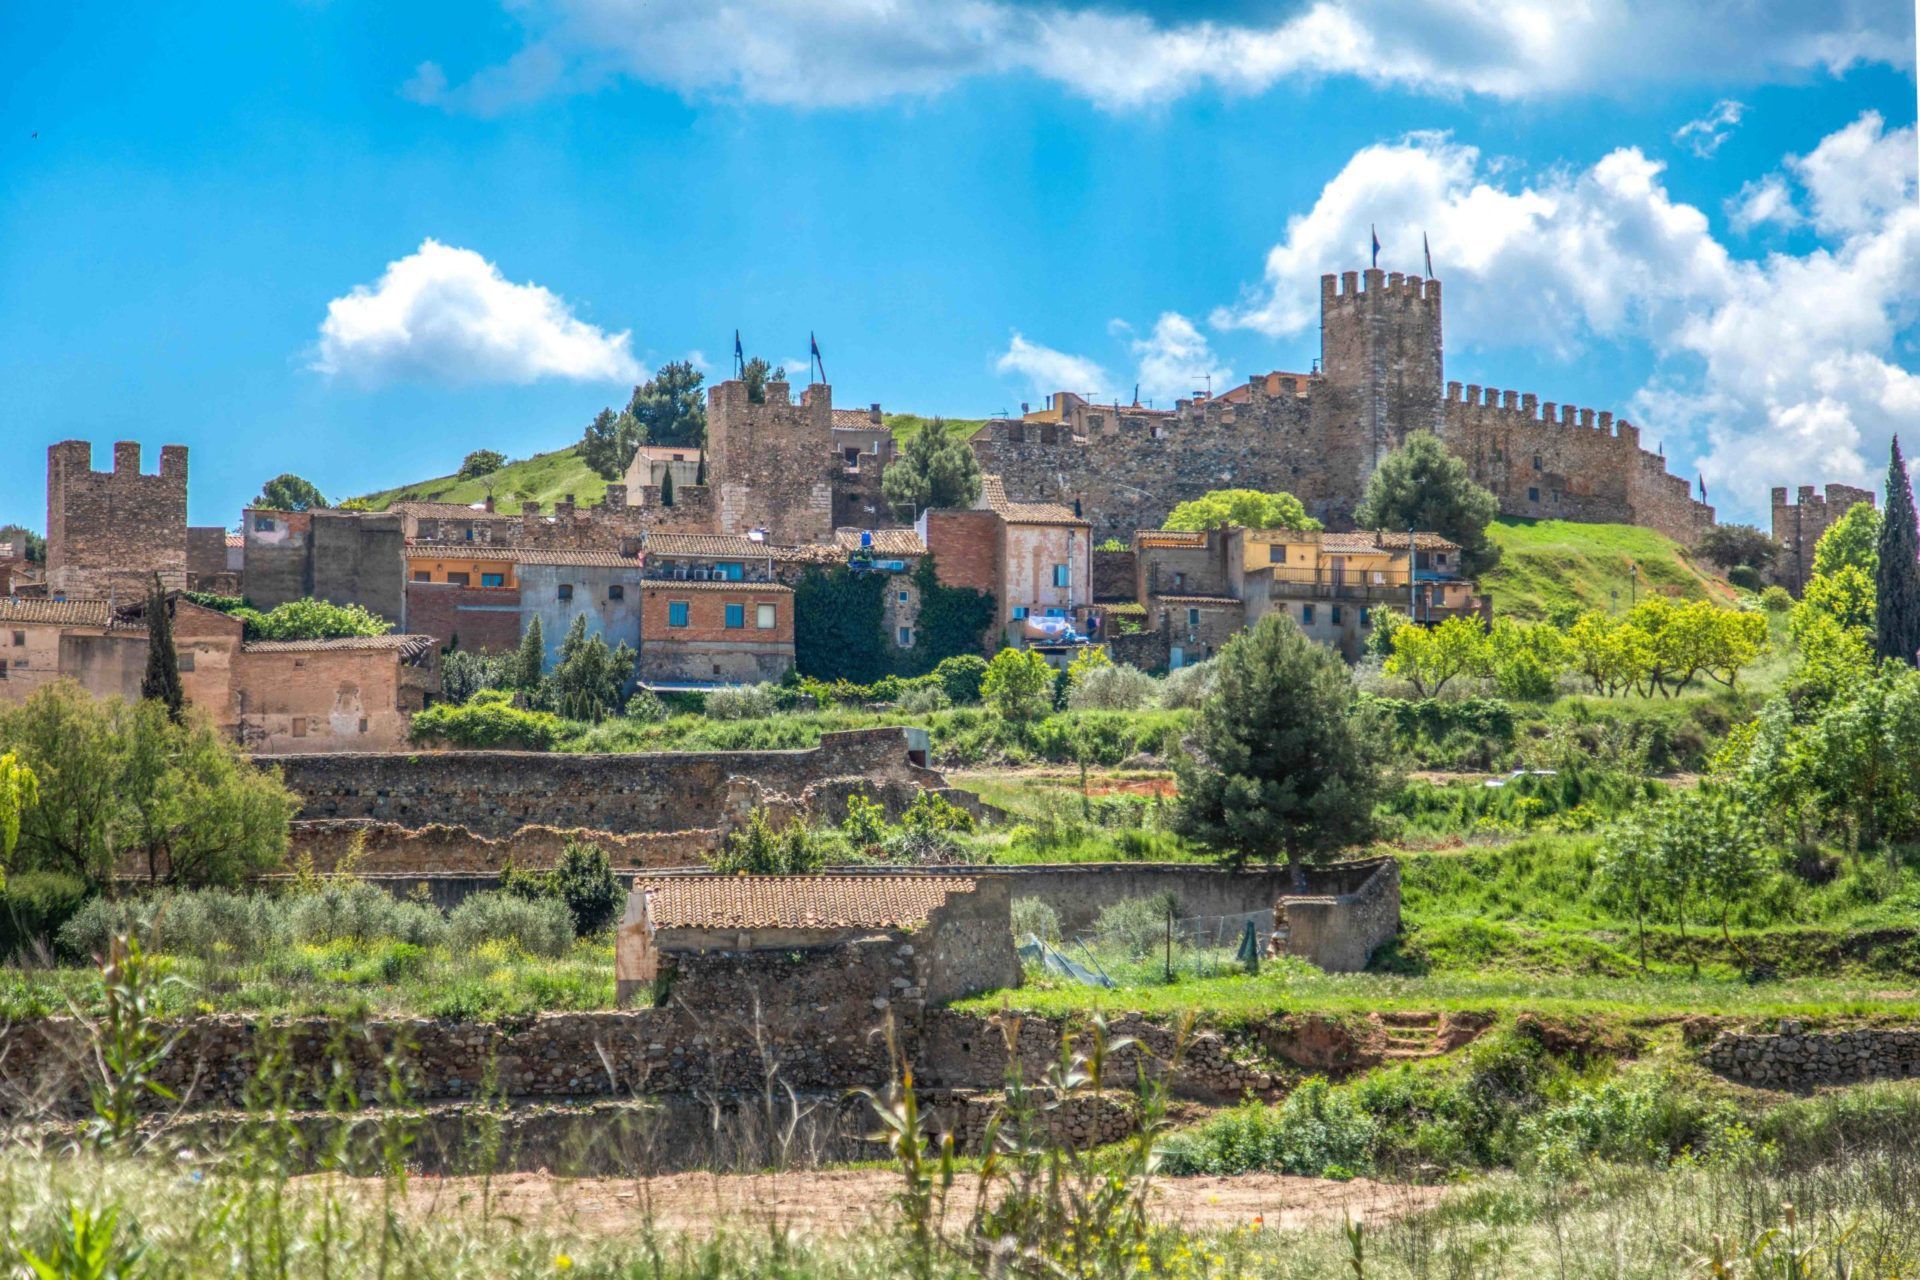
(791, 947)
(344, 557)
(1319, 435)
(1798, 526)
(44, 640)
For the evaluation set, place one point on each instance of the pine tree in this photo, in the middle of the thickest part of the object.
(162, 679)
(1896, 581)
(531, 658)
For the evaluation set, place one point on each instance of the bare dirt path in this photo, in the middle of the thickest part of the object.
(850, 1201)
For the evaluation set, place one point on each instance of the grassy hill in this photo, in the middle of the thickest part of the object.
(552, 476)
(1548, 562)
(547, 476)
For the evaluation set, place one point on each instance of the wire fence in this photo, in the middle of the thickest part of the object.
(1135, 949)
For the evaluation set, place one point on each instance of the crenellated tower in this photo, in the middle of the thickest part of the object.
(109, 532)
(1381, 370)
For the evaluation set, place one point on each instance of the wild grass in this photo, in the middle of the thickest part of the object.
(1549, 563)
(549, 477)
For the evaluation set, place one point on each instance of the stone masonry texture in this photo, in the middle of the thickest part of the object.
(109, 532)
(1319, 436)
(1798, 526)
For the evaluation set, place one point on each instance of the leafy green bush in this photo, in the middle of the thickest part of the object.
(1136, 926)
(539, 928)
(1187, 688)
(1018, 685)
(961, 676)
(744, 702)
(1776, 599)
(922, 700)
(1113, 687)
(1746, 577)
(1318, 1131)
(34, 906)
(759, 849)
(312, 620)
(582, 881)
(646, 707)
(865, 823)
(358, 912)
(930, 812)
(485, 723)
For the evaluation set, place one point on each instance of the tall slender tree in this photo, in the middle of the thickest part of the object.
(1896, 581)
(162, 679)
(531, 658)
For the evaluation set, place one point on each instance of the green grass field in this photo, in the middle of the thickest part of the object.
(1544, 563)
(549, 477)
(907, 425)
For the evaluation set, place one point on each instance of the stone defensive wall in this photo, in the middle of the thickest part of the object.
(1564, 462)
(1793, 1058)
(497, 793)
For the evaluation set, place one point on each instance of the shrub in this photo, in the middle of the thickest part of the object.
(1112, 688)
(486, 722)
(1187, 688)
(1018, 685)
(930, 812)
(1746, 577)
(542, 927)
(866, 822)
(1318, 1131)
(1776, 599)
(585, 883)
(923, 699)
(744, 702)
(759, 849)
(360, 912)
(1137, 925)
(35, 906)
(646, 707)
(1035, 918)
(961, 676)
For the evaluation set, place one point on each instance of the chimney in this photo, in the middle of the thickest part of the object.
(874, 413)
(488, 504)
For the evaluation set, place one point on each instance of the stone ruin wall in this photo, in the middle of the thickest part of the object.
(1794, 1058)
(773, 462)
(109, 532)
(1798, 526)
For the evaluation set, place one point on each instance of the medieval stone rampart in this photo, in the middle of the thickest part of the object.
(496, 793)
(1798, 526)
(109, 532)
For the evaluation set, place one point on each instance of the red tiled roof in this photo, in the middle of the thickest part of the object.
(417, 550)
(408, 647)
(72, 613)
(993, 493)
(674, 585)
(1370, 540)
(706, 544)
(797, 902)
(1170, 538)
(1214, 602)
(886, 542)
(423, 508)
(576, 556)
(856, 419)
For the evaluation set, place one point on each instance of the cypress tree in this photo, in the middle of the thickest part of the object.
(162, 678)
(1896, 581)
(700, 476)
(531, 657)
(666, 487)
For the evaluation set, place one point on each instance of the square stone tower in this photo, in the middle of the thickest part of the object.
(1381, 371)
(772, 464)
(109, 532)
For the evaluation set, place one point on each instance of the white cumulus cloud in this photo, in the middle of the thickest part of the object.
(1783, 369)
(849, 52)
(447, 314)
(1704, 135)
(1047, 370)
(1175, 360)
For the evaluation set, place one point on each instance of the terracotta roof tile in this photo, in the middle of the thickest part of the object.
(408, 647)
(886, 542)
(673, 585)
(797, 902)
(706, 544)
(585, 557)
(855, 419)
(1170, 538)
(1217, 602)
(1370, 540)
(73, 613)
(424, 508)
(417, 550)
(993, 494)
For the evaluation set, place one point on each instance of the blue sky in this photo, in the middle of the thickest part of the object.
(1704, 220)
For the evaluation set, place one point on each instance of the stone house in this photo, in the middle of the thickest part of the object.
(652, 463)
(1036, 559)
(464, 595)
(345, 557)
(714, 632)
(734, 944)
(895, 553)
(559, 586)
(44, 640)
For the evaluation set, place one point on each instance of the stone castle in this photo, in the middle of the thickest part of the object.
(110, 532)
(1797, 527)
(1319, 435)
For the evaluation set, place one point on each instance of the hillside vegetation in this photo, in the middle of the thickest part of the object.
(549, 477)
(1544, 563)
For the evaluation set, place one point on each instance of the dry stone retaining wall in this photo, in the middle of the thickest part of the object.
(1796, 1059)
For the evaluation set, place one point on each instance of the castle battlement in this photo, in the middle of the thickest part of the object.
(1528, 410)
(109, 532)
(1375, 286)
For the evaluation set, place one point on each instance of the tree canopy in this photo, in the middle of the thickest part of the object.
(757, 373)
(1422, 485)
(1279, 763)
(481, 462)
(311, 619)
(1732, 545)
(669, 406)
(288, 492)
(1242, 508)
(610, 442)
(1853, 539)
(937, 468)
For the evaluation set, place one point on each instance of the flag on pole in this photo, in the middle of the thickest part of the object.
(814, 344)
(1703, 485)
(739, 354)
(1136, 395)
(1428, 250)
(1376, 243)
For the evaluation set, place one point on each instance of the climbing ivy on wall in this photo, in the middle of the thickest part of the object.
(838, 625)
(952, 620)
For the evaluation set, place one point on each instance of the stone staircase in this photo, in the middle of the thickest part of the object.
(1410, 1036)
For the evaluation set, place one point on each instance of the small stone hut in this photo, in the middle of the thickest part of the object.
(714, 943)
(1347, 912)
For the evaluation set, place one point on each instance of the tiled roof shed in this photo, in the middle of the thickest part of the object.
(739, 903)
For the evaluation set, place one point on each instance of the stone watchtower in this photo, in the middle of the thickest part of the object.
(771, 465)
(1381, 374)
(1798, 527)
(109, 532)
